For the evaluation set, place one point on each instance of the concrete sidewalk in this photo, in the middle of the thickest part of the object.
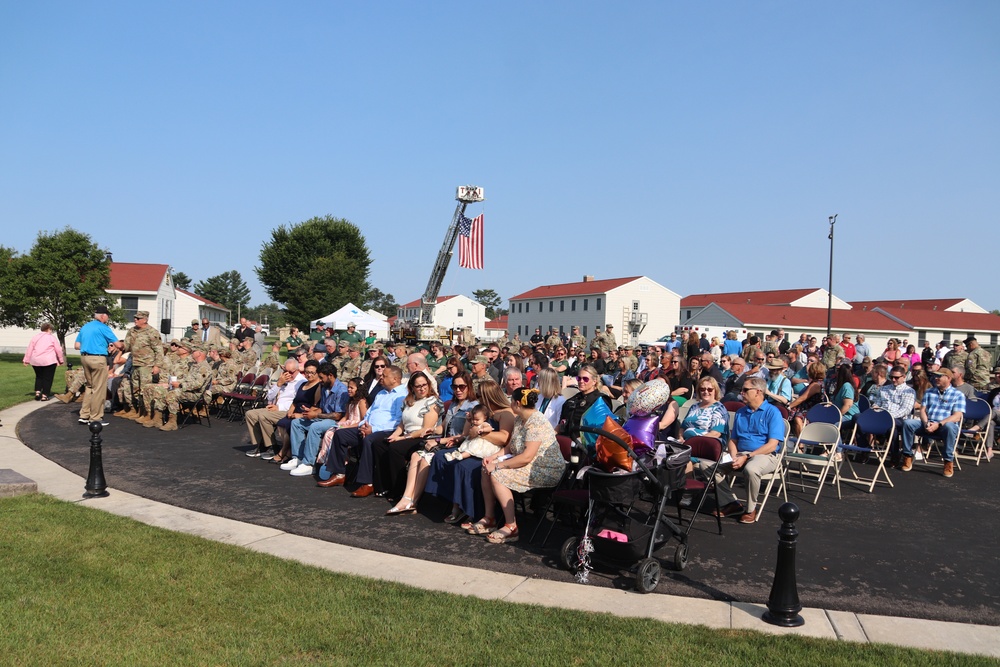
(60, 483)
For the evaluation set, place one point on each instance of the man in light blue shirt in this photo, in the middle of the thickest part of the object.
(306, 433)
(384, 415)
(94, 339)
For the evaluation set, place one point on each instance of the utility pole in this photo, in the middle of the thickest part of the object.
(829, 296)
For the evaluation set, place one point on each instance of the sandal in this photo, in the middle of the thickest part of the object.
(410, 508)
(499, 536)
(481, 527)
(456, 517)
(44, 398)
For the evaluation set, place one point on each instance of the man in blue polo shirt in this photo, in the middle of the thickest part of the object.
(95, 338)
(754, 443)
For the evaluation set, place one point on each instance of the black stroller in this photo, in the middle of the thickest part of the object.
(625, 516)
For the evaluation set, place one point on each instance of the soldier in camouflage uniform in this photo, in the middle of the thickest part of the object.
(352, 365)
(146, 346)
(188, 387)
(400, 360)
(247, 355)
(977, 364)
(956, 357)
(225, 370)
(553, 340)
(599, 341)
(577, 340)
(154, 396)
(631, 359)
(273, 361)
(610, 336)
(75, 384)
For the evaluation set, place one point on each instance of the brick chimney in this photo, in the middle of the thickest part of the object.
(588, 279)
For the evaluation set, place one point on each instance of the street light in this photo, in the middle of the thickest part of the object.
(829, 295)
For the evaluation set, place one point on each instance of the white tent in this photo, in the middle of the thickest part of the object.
(351, 313)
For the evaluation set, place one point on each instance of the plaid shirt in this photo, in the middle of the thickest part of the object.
(939, 406)
(896, 400)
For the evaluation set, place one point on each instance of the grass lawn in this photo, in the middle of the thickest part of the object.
(80, 586)
(18, 383)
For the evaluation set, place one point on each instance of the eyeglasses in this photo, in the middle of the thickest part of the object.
(309, 372)
(759, 359)
(745, 391)
(896, 377)
(420, 386)
(455, 385)
(706, 390)
(379, 365)
(194, 325)
(204, 324)
(583, 379)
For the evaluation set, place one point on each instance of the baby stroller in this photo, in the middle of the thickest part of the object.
(625, 520)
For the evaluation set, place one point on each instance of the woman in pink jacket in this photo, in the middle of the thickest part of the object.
(44, 354)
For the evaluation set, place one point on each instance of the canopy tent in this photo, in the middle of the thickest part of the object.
(351, 313)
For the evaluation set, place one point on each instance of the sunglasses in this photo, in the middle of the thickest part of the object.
(583, 379)
(455, 385)
(379, 365)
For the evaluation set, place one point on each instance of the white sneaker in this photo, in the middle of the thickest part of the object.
(303, 470)
(290, 464)
(918, 455)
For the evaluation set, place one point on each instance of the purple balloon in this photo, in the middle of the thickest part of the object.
(643, 430)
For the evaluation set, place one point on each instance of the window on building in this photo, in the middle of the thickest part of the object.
(130, 304)
(585, 303)
(921, 336)
(584, 330)
(527, 306)
(598, 303)
(541, 307)
(946, 335)
(461, 312)
(562, 305)
(551, 305)
(688, 315)
(993, 339)
(572, 305)
(561, 330)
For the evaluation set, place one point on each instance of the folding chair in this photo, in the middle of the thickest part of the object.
(190, 409)
(777, 474)
(876, 427)
(242, 402)
(242, 386)
(709, 449)
(823, 439)
(976, 410)
(864, 403)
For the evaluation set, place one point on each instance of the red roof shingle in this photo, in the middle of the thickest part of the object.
(575, 289)
(809, 318)
(127, 277)
(958, 323)
(765, 298)
(908, 304)
(416, 303)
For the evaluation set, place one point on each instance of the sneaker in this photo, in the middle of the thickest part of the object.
(290, 464)
(267, 455)
(302, 470)
(949, 469)
(918, 455)
(254, 453)
(81, 420)
(104, 423)
(907, 464)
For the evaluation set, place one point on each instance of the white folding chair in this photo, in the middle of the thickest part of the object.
(776, 474)
(817, 445)
(976, 409)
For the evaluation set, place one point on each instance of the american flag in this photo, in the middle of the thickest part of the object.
(470, 242)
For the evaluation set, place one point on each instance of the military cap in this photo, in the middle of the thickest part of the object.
(196, 321)
(186, 345)
(970, 339)
(481, 359)
(174, 341)
(343, 343)
(144, 314)
(356, 347)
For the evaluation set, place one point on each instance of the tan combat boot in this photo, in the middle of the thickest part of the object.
(67, 397)
(139, 412)
(171, 424)
(124, 412)
(153, 421)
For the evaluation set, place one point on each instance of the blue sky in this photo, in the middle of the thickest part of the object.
(701, 144)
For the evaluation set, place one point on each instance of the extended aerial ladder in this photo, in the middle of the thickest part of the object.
(465, 195)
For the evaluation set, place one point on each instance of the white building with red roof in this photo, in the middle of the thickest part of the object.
(189, 306)
(635, 306)
(454, 311)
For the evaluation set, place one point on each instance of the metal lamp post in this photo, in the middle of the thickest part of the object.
(829, 295)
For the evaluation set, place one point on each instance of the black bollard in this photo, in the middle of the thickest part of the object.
(783, 605)
(96, 486)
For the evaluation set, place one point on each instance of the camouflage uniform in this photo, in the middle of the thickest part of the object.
(553, 341)
(271, 361)
(74, 381)
(515, 342)
(401, 365)
(578, 341)
(225, 376)
(155, 395)
(351, 368)
(599, 341)
(955, 359)
(248, 358)
(977, 368)
(190, 386)
(146, 347)
(612, 343)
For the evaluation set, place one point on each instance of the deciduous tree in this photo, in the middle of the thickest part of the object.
(61, 280)
(378, 300)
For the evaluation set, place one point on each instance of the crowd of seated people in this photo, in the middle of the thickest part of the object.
(474, 425)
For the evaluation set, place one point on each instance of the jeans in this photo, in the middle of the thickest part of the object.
(948, 432)
(305, 436)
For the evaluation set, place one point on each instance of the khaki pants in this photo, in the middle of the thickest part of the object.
(755, 468)
(95, 374)
(261, 423)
